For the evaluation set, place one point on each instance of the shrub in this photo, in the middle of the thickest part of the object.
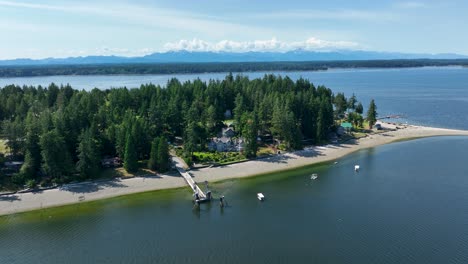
(30, 184)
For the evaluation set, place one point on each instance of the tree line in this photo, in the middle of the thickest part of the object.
(181, 68)
(63, 133)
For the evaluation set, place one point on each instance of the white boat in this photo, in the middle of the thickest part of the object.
(356, 167)
(314, 176)
(260, 196)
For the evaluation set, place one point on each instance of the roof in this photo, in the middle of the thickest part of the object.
(346, 125)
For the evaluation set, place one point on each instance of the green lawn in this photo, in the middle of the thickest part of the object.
(262, 151)
(218, 157)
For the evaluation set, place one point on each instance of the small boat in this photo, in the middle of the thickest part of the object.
(313, 176)
(260, 196)
(356, 167)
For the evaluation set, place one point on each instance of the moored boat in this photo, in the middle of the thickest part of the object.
(260, 196)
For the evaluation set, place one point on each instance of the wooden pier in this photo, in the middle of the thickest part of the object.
(179, 164)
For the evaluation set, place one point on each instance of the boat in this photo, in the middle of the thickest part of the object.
(356, 167)
(260, 196)
(314, 176)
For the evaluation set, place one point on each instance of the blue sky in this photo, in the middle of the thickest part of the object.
(39, 29)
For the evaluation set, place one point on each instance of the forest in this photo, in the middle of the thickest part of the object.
(62, 134)
(180, 68)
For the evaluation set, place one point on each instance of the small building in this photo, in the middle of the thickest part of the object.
(13, 166)
(111, 162)
(347, 126)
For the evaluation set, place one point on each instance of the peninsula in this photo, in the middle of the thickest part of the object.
(89, 191)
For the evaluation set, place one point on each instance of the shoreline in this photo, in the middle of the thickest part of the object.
(91, 191)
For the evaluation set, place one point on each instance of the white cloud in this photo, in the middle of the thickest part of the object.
(258, 45)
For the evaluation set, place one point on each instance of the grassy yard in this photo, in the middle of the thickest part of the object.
(262, 151)
(217, 157)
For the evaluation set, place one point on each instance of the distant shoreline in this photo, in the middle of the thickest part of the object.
(9, 71)
(90, 191)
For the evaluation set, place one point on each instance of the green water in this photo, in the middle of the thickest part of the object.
(408, 204)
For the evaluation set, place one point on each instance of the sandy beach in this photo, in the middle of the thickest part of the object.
(81, 192)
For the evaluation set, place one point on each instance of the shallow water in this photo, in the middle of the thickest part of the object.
(408, 204)
(426, 96)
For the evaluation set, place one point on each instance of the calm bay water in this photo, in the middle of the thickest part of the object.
(425, 96)
(402, 207)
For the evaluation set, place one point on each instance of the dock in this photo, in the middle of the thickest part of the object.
(179, 164)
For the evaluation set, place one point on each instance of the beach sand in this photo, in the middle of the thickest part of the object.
(89, 191)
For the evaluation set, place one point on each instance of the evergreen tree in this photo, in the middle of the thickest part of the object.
(352, 102)
(130, 159)
(211, 119)
(322, 123)
(57, 161)
(190, 139)
(372, 114)
(238, 111)
(340, 104)
(88, 155)
(153, 160)
(250, 134)
(163, 155)
(14, 133)
(32, 159)
(359, 109)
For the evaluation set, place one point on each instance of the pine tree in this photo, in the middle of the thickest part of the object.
(163, 155)
(238, 111)
(322, 123)
(88, 155)
(57, 161)
(210, 116)
(372, 114)
(190, 139)
(352, 102)
(130, 159)
(340, 104)
(32, 159)
(249, 134)
(153, 160)
(14, 132)
(359, 109)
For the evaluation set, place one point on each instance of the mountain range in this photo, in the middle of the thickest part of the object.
(201, 57)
